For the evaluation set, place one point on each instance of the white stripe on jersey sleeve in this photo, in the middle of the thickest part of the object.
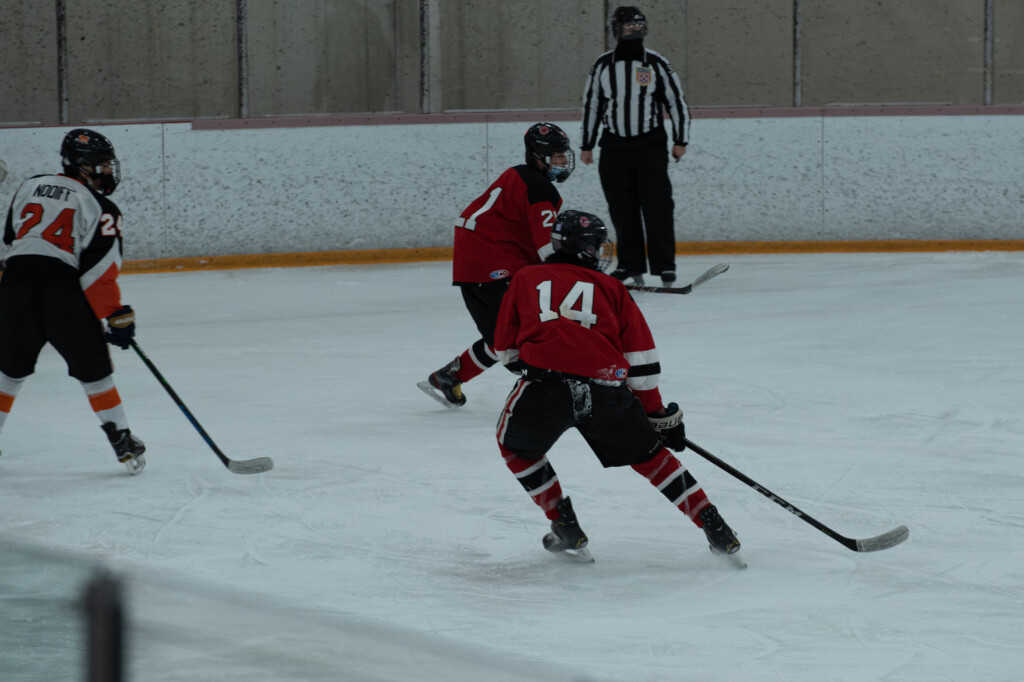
(508, 356)
(646, 382)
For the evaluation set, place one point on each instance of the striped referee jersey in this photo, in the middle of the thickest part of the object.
(626, 95)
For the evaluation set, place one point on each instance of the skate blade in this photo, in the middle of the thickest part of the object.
(433, 393)
(579, 556)
(735, 559)
(135, 465)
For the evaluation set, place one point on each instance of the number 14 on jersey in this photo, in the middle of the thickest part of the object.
(581, 292)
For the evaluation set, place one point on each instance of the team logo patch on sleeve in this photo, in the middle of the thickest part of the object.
(499, 274)
(644, 75)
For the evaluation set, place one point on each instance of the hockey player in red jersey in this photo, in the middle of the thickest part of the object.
(60, 282)
(587, 360)
(504, 229)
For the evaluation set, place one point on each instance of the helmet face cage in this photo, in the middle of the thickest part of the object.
(605, 256)
(543, 141)
(628, 15)
(583, 237)
(83, 152)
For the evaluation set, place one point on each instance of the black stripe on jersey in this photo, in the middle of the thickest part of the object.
(101, 244)
(645, 370)
(538, 187)
(627, 94)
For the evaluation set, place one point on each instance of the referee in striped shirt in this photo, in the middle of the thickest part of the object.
(625, 92)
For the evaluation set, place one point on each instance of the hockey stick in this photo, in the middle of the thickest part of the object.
(711, 273)
(235, 466)
(879, 542)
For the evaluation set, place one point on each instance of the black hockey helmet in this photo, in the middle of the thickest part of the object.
(581, 238)
(544, 140)
(83, 151)
(628, 14)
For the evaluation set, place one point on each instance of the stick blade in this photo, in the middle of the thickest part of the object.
(883, 541)
(250, 466)
(711, 273)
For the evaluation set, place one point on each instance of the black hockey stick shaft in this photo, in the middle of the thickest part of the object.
(712, 272)
(239, 467)
(883, 541)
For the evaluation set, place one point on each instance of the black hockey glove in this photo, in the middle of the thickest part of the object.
(670, 428)
(121, 327)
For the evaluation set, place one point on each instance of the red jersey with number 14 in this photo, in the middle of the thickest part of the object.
(506, 228)
(578, 321)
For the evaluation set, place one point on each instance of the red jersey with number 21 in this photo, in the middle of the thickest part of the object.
(578, 321)
(506, 228)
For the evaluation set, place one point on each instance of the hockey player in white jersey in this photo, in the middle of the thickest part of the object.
(60, 283)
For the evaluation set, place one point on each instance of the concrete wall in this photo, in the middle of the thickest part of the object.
(173, 58)
(910, 51)
(1008, 77)
(182, 59)
(497, 54)
(192, 192)
(332, 56)
(28, 63)
(734, 52)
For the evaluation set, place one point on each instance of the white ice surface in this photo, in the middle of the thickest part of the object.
(869, 390)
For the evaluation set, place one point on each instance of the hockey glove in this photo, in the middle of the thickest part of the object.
(670, 428)
(121, 327)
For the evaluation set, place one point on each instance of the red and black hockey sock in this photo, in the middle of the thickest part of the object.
(475, 360)
(538, 479)
(667, 474)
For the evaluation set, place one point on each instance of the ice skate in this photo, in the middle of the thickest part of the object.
(127, 447)
(443, 387)
(668, 278)
(721, 538)
(624, 275)
(567, 536)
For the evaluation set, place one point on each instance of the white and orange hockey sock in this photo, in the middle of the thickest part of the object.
(667, 474)
(538, 479)
(106, 402)
(9, 387)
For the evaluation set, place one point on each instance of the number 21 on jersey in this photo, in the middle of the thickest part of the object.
(547, 216)
(581, 292)
(470, 222)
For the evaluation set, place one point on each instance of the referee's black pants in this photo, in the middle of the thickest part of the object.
(634, 177)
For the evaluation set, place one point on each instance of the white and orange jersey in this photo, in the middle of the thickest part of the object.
(57, 217)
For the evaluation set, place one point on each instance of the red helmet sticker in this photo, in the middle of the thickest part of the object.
(584, 221)
(543, 130)
(82, 137)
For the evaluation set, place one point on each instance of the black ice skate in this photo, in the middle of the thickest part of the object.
(721, 539)
(668, 278)
(443, 387)
(567, 536)
(127, 447)
(623, 274)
